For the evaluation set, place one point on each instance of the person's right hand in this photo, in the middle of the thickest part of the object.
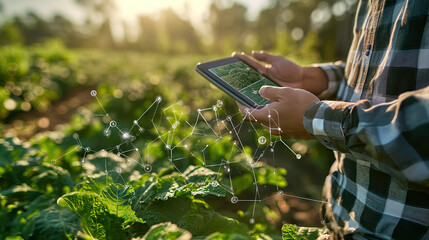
(285, 72)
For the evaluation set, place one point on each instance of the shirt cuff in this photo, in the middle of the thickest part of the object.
(325, 121)
(335, 73)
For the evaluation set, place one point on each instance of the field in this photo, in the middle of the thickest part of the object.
(123, 145)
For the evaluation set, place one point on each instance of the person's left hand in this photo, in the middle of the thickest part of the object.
(284, 116)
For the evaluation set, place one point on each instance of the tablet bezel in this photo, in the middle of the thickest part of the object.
(203, 69)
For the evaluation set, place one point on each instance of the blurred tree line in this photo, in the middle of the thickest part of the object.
(315, 30)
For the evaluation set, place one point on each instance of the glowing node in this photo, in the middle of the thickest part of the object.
(135, 122)
(298, 156)
(269, 116)
(141, 130)
(168, 146)
(272, 150)
(222, 121)
(227, 162)
(107, 132)
(230, 132)
(148, 168)
(87, 149)
(174, 126)
(103, 153)
(246, 110)
(228, 118)
(118, 154)
(186, 146)
(214, 108)
(215, 183)
(93, 93)
(199, 110)
(262, 140)
(137, 149)
(158, 99)
(252, 165)
(75, 136)
(219, 103)
(228, 170)
(126, 136)
(113, 123)
(234, 199)
(279, 129)
(252, 221)
(280, 192)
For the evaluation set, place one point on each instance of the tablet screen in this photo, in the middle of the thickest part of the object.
(244, 79)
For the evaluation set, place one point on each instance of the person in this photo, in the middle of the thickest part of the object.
(377, 123)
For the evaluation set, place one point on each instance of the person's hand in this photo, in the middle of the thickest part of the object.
(285, 72)
(284, 116)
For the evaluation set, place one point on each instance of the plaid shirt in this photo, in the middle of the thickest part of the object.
(379, 126)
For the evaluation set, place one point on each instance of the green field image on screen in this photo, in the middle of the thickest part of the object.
(244, 79)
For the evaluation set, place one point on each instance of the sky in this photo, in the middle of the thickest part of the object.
(127, 10)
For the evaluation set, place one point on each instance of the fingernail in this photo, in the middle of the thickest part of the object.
(261, 90)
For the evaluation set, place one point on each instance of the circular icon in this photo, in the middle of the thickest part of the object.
(262, 140)
(148, 168)
(252, 221)
(219, 103)
(107, 132)
(215, 184)
(75, 136)
(298, 156)
(93, 93)
(234, 199)
(113, 123)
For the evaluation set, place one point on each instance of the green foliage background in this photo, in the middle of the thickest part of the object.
(47, 69)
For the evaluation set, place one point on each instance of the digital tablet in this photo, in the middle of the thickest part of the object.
(237, 79)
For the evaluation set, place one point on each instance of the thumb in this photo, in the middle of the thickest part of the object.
(264, 56)
(271, 93)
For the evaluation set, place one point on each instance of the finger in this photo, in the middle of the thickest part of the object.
(253, 114)
(272, 93)
(265, 57)
(251, 61)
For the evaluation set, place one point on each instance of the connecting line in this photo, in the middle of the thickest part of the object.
(281, 193)
(94, 94)
(298, 156)
(67, 153)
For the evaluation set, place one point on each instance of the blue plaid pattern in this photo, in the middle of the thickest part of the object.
(378, 126)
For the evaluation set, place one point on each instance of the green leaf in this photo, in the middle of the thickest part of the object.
(225, 236)
(289, 233)
(104, 216)
(166, 231)
(118, 200)
(54, 223)
(292, 232)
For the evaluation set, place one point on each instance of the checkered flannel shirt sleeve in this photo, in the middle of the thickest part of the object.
(335, 73)
(393, 136)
